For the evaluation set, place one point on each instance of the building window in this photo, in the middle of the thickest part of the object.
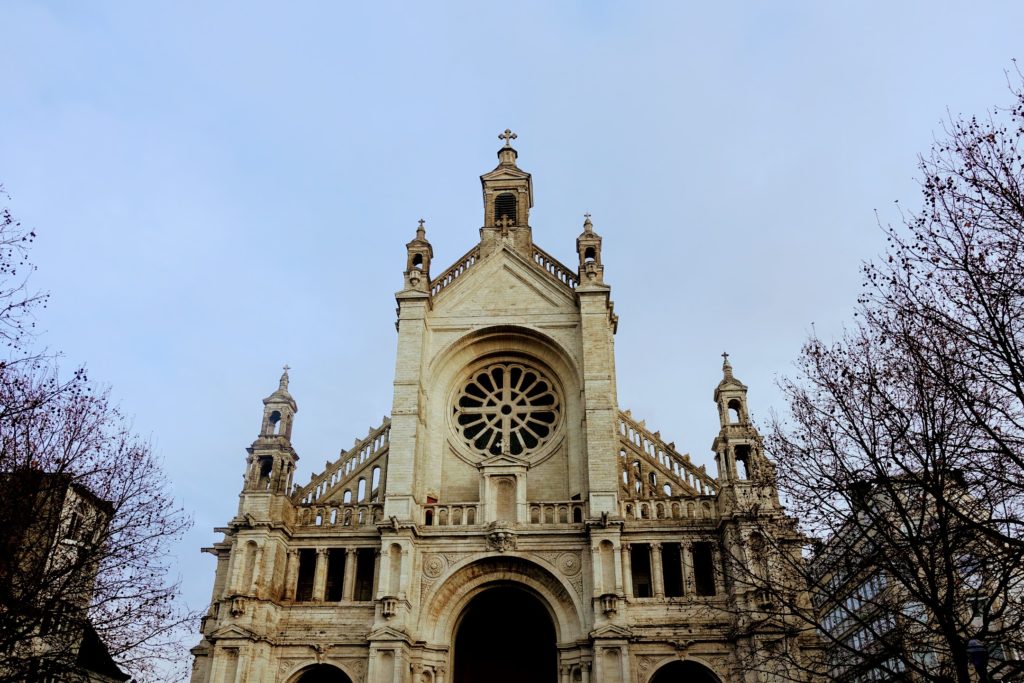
(507, 406)
(640, 562)
(335, 574)
(365, 567)
(307, 570)
(672, 567)
(703, 569)
(505, 206)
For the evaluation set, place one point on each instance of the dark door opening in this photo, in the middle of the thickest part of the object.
(505, 636)
(683, 672)
(323, 673)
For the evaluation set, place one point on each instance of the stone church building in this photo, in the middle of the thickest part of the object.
(508, 522)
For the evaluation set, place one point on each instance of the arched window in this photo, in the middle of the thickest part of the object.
(589, 255)
(375, 484)
(275, 422)
(361, 491)
(505, 206)
(417, 261)
(734, 411)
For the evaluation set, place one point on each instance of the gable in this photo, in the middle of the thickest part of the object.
(505, 284)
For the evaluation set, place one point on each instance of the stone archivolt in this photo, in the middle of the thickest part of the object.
(506, 465)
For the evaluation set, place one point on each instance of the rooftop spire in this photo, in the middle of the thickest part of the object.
(726, 365)
(283, 385)
(421, 232)
(587, 225)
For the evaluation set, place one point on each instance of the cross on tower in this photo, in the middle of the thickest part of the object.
(725, 356)
(287, 367)
(508, 136)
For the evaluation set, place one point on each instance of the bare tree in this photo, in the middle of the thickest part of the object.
(86, 518)
(903, 450)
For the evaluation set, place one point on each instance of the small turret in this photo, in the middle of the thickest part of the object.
(417, 267)
(588, 246)
(746, 477)
(271, 460)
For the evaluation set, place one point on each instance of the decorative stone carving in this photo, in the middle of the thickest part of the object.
(388, 606)
(434, 566)
(501, 537)
(569, 564)
(237, 606)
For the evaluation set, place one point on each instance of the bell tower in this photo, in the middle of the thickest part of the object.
(745, 474)
(270, 465)
(508, 198)
(417, 267)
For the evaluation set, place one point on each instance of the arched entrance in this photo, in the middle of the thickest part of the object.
(321, 673)
(505, 635)
(684, 672)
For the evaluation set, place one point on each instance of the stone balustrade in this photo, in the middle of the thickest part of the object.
(365, 514)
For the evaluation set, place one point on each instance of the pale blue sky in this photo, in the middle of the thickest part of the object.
(220, 188)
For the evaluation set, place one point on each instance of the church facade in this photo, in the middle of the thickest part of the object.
(508, 521)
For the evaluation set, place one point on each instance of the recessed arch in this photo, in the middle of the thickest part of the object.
(503, 619)
(684, 671)
(445, 603)
(320, 673)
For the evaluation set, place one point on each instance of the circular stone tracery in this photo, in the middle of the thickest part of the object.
(507, 406)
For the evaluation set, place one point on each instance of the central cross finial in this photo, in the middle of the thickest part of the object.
(421, 223)
(725, 356)
(287, 367)
(508, 136)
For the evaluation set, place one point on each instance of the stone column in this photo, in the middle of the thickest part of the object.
(348, 584)
(564, 671)
(320, 575)
(596, 570)
(399, 666)
(384, 572)
(439, 672)
(254, 584)
(618, 570)
(657, 574)
(688, 586)
(585, 672)
(231, 585)
(716, 558)
(291, 574)
(627, 570)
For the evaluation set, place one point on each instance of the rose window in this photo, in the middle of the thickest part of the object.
(507, 407)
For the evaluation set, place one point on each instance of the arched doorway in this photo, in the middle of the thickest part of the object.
(322, 673)
(684, 672)
(505, 635)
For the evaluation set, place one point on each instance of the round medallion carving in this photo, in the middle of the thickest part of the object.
(569, 564)
(433, 566)
(507, 408)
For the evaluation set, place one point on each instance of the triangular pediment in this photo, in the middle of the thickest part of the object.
(387, 633)
(503, 172)
(232, 631)
(505, 283)
(503, 460)
(611, 631)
